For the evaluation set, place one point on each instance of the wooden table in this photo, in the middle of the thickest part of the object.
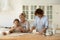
(31, 37)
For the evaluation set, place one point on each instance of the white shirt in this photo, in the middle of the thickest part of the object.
(40, 23)
(25, 25)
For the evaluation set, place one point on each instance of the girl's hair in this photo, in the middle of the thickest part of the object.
(39, 11)
(16, 20)
(23, 14)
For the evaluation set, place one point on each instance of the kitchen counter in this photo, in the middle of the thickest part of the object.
(30, 36)
(26, 36)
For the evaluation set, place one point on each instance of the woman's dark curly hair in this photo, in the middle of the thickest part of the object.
(39, 11)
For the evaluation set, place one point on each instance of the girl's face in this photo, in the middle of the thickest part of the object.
(22, 18)
(16, 23)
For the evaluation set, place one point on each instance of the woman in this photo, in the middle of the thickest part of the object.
(24, 23)
(40, 23)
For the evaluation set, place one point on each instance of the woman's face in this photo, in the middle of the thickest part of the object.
(39, 15)
(22, 18)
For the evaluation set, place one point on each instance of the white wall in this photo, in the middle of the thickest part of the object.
(40, 2)
(56, 16)
(7, 17)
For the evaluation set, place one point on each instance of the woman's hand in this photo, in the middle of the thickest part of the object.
(42, 31)
(30, 31)
(39, 33)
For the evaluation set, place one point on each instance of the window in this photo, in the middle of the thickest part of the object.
(49, 15)
(41, 7)
(26, 11)
(33, 8)
(29, 11)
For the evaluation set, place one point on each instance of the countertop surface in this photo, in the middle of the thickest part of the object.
(29, 36)
(26, 36)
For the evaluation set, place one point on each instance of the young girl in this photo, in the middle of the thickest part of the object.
(24, 23)
(15, 28)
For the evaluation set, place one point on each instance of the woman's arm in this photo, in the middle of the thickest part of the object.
(32, 29)
(28, 27)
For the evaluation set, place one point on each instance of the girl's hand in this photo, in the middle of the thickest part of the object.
(4, 33)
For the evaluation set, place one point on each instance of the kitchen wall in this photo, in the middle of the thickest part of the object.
(56, 16)
(7, 16)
